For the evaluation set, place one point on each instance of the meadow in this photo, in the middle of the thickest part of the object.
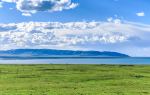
(74, 79)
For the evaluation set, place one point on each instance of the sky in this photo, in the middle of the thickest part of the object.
(101, 25)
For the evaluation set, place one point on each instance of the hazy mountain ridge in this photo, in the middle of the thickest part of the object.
(60, 53)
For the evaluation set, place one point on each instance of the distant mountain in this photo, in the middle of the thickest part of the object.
(58, 53)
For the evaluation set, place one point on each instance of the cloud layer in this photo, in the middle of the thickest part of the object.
(28, 7)
(125, 37)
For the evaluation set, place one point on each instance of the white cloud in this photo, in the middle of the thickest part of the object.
(110, 19)
(26, 14)
(32, 6)
(1, 5)
(117, 21)
(10, 8)
(140, 14)
(125, 37)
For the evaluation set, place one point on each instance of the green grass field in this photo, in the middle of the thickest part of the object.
(74, 80)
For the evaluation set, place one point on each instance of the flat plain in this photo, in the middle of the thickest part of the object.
(74, 79)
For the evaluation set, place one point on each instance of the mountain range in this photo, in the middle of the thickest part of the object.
(57, 53)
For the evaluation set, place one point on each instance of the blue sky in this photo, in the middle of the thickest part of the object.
(86, 10)
(102, 25)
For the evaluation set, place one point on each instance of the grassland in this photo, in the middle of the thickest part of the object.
(74, 80)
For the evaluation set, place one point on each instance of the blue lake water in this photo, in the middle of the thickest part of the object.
(132, 60)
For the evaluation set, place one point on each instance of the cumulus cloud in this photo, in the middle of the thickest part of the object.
(140, 14)
(28, 7)
(125, 37)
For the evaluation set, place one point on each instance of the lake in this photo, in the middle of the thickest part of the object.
(128, 60)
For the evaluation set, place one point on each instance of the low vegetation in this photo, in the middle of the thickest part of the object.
(74, 80)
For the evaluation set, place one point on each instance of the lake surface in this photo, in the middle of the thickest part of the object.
(131, 60)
